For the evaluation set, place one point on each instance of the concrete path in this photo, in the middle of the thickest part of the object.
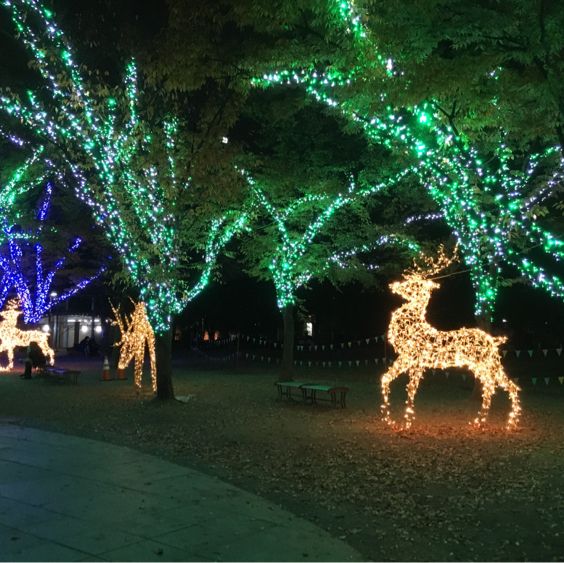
(64, 498)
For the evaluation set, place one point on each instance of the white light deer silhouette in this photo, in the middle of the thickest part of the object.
(420, 346)
(136, 331)
(11, 336)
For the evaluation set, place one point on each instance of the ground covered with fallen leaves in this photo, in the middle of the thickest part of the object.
(441, 491)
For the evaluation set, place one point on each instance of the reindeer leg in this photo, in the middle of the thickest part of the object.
(395, 370)
(488, 390)
(513, 392)
(138, 372)
(10, 358)
(153, 364)
(414, 380)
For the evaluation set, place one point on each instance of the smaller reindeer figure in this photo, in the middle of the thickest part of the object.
(136, 332)
(11, 336)
(421, 347)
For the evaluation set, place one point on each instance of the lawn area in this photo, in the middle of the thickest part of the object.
(441, 491)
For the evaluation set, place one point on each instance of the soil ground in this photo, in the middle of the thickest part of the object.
(442, 491)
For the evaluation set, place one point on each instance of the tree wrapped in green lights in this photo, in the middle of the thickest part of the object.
(297, 240)
(488, 203)
(130, 167)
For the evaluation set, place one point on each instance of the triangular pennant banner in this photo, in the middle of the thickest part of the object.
(534, 380)
(530, 353)
(504, 353)
(463, 377)
(559, 351)
(561, 380)
(545, 352)
(357, 363)
(546, 380)
(349, 344)
(340, 363)
(516, 380)
(376, 360)
(367, 340)
(517, 353)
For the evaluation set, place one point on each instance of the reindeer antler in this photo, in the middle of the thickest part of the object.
(431, 265)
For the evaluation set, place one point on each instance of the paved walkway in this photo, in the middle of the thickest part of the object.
(64, 498)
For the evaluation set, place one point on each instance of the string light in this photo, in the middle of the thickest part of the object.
(11, 336)
(136, 332)
(133, 199)
(420, 347)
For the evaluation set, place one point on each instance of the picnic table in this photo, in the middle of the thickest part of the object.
(313, 392)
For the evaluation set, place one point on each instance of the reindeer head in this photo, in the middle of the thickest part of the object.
(417, 282)
(11, 313)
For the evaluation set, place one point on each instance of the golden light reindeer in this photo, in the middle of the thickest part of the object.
(11, 336)
(136, 332)
(420, 346)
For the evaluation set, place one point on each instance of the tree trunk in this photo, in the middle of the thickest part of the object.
(163, 349)
(287, 369)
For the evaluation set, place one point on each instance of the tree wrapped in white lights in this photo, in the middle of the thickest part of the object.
(487, 202)
(132, 170)
(285, 245)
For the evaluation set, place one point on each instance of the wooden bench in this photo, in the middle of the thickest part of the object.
(309, 392)
(62, 375)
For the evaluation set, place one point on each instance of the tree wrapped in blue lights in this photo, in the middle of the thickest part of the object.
(25, 270)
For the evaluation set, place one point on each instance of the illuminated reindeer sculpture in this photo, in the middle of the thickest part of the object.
(420, 346)
(11, 336)
(136, 331)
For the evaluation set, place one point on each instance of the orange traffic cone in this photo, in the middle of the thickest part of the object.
(106, 370)
(121, 373)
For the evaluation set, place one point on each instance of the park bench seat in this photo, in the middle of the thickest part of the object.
(314, 392)
(60, 374)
